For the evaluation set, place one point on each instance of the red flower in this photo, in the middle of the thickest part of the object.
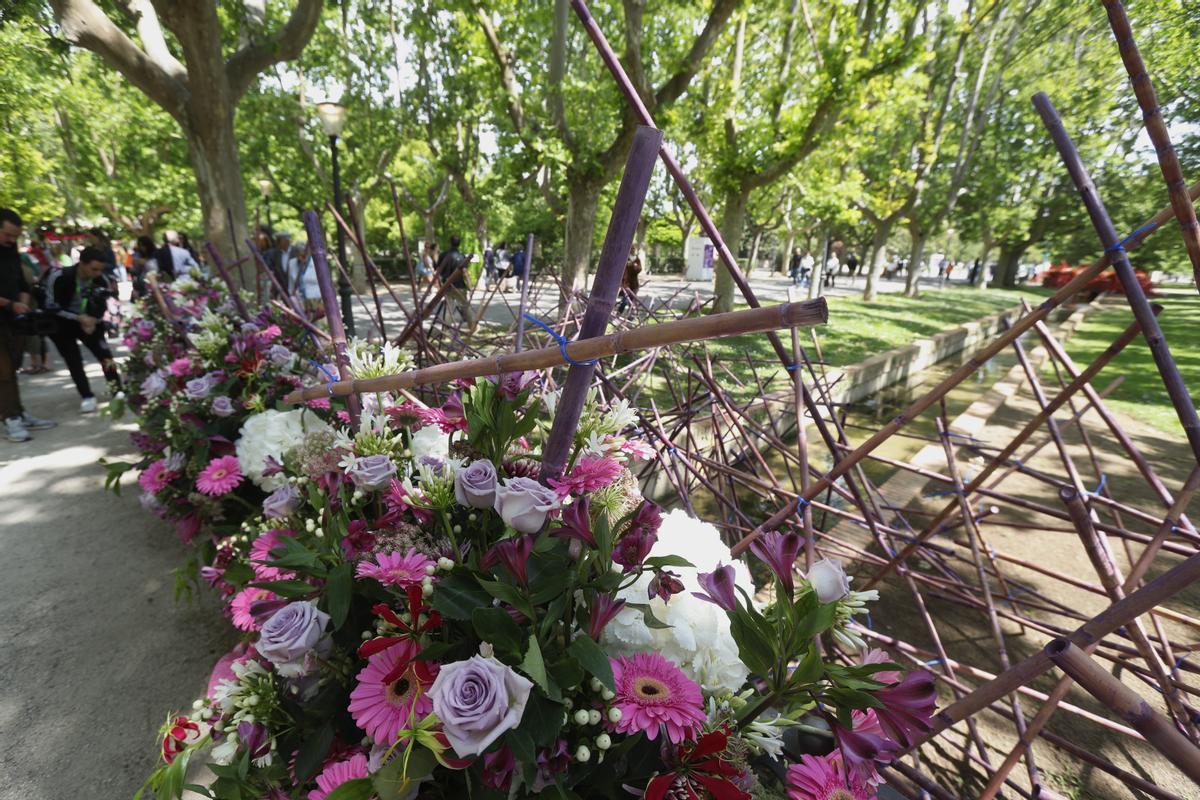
(700, 772)
(181, 734)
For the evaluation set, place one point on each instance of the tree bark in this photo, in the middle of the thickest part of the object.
(583, 197)
(733, 224)
(1006, 267)
(916, 255)
(214, 156)
(878, 243)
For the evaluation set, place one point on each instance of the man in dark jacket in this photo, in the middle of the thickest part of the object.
(77, 295)
(452, 266)
(15, 299)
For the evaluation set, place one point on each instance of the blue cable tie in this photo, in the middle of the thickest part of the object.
(933, 662)
(562, 342)
(1119, 247)
(791, 367)
(1100, 486)
(332, 378)
(801, 503)
(870, 625)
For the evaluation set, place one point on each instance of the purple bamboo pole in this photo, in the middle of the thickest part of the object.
(621, 228)
(236, 255)
(219, 263)
(524, 292)
(337, 331)
(1113, 245)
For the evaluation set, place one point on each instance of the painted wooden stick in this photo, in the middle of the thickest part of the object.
(1168, 162)
(432, 305)
(735, 323)
(1177, 389)
(627, 210)
(223, 271)
(333, 313)
(525, 279)
(1127, 705)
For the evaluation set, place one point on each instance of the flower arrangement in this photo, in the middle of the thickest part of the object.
(423, 616)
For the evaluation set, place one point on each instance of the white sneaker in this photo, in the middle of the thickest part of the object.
(16, 430)
(88, 405)
(33, 423)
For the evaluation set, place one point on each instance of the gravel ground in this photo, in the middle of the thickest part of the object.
(96, 651)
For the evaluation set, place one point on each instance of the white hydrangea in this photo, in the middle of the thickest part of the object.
(431, 442)
(698, 639)
(272, 433)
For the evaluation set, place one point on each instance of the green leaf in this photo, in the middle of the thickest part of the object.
(593, 659)
(816, 623)
(494, 625)
(542, 720)
(648, 618)
(567, 672)
(458, 594)
(290, 588)
(295, 554)
(506, 593)
(535, 666)
(357, 789)
(809, 669)
(755, 650)
(238, 573)
(667, 561)
(396, 778)
(337, 592)
(312, 752)
(521, 745)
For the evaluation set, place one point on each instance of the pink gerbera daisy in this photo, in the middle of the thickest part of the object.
(220, 476)
(653, 693)
(383, 708)
(155, 477)
(823, 778)
(394, 569)
(338, 773)
(590, 474)
(239, 607)
(260, 552)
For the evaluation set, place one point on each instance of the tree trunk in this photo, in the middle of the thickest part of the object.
(878, 243)
(214, 155)
(916, 255)
(733, 223)
(814, 280)
(583, 196)
(754, 245)
(1006, 267)
(981, 277)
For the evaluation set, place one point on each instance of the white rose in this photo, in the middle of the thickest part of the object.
(829, 580)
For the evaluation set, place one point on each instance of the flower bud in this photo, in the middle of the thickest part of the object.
(583, 754)
(594, 717)
(582, 717)
(614, 714)
(603, 741)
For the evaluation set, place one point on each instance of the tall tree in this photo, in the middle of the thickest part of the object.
(190, 77)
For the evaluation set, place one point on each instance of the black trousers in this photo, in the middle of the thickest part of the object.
(67, 341)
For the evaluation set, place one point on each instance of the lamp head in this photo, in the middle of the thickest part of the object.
(265, 186)
(333, 118)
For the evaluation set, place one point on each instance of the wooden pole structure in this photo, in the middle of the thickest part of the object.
(627, 209)
(524, 293)
(1177, 389)
(333, 312)
(432, 305)
(1127, 705)
(1168, 161)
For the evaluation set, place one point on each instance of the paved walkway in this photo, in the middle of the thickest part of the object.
(96, 651)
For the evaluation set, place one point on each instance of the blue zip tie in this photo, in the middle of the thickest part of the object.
(1100, 486)
(332, 378)
(801, 503)
(933, 662)
(870, 625)
(791, 367)
(562, 342)
(1119, 247)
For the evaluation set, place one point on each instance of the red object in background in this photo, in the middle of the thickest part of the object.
(1060, 275)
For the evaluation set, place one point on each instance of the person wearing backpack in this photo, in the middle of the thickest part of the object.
(452, 262)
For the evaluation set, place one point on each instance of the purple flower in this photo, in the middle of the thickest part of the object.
(639, 539)
(197, 388)
(279, 355)
(861, 750)
(498, 769)
(907, 707)
(154, 384)
(250, 328)
(524, 503)
(290, 635)
(664, 584)
(281, 502)
(604, 608)
(577, 522)
(372, 472)
(151, 503)
(254, 736)
(719, 584)
(211, 575)
(550, 762)
(222, 406)
(513, 554)
(475, 484)
(779, 551)
(174, 462)
(477, 700)
(513, 383)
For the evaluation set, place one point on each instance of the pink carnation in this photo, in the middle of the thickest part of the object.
(318, 403)
(180, 367)
(220, 477)
(590, 474)
(393, 569)
(338, 773)
(653, 694)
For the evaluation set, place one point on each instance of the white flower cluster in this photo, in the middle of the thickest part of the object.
(245, 699)
(698, 639)
(374, 437)
(368, 360)
(271, 434)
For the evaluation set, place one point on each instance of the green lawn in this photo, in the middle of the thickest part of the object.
(1142, 394)
(858, 330)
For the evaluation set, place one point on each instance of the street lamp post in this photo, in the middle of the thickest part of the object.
(333, 120)
(265, 186)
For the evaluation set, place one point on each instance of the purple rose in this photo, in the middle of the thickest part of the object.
(290, 635)
(154, 384)
(279, 355)
(524, 503)
(197, 388)
(372, 472)
(281, 502)
(477, 700)
(475, 484)
(222, 406)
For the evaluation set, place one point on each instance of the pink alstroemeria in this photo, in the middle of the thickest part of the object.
(577, 522)
(514, 555)
(719, 585)
(778, 551)
(907, 707)
(604, 608)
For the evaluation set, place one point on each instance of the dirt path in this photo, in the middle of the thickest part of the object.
(95, 649)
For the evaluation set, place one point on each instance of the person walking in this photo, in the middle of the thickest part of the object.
(15, 298)
(451, 267)
(428, 261)
(630, 281)
(519, 263)
(35, 345)
(489, 265)
(77, 296)
(302, 281)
